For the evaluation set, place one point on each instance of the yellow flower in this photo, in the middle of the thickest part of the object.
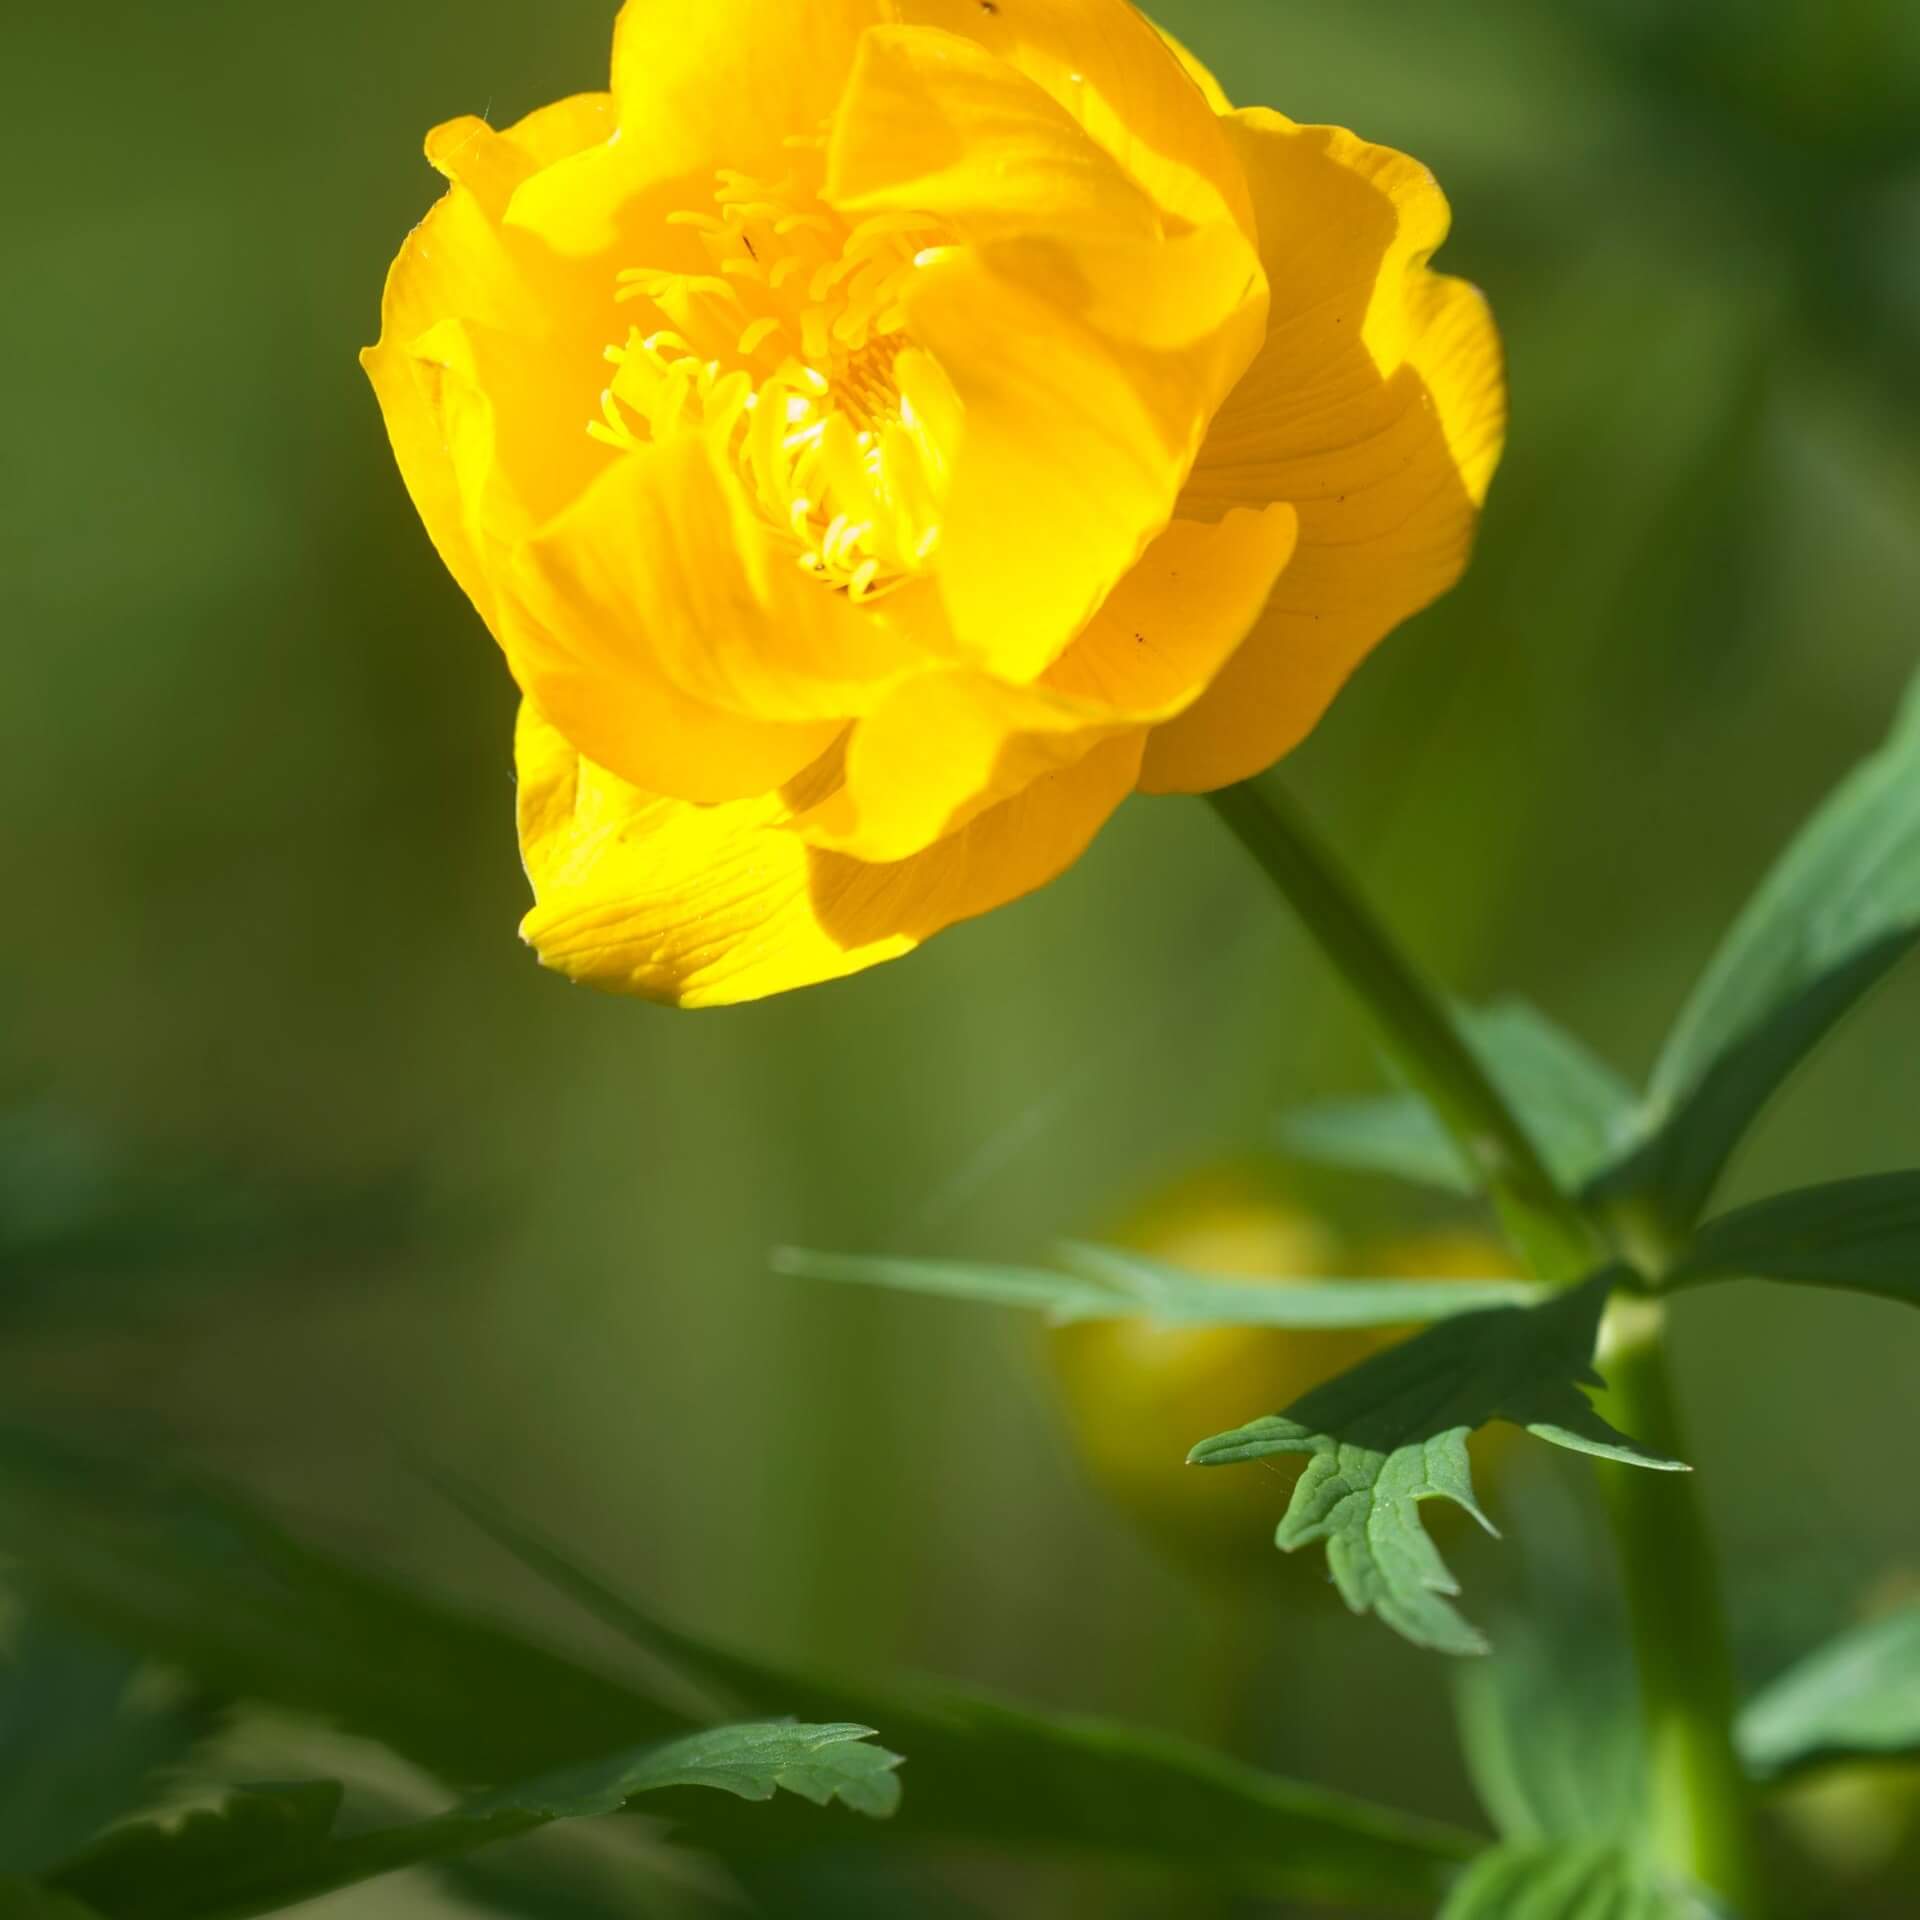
(882, 434)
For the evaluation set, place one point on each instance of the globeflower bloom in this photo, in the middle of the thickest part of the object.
(883, 434)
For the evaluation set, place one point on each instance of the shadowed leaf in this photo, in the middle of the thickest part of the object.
(987, 1774)
(1861, 1235)
(1838, 913)
(194, 1575)
(76, 1751)
(272, 1847)
(24, 1900)
(202, 1579)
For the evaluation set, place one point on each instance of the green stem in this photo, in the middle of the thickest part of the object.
(1416, 1029)
(1697, 1793)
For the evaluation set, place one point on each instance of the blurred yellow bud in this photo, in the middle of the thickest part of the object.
(1137, 1393)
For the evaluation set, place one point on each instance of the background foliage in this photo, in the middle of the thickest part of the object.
(307, 1174)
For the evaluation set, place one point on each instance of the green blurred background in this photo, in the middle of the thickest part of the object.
(308, 1172)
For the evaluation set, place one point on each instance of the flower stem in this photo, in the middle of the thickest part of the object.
(1697, 1792)
(1416, 1030)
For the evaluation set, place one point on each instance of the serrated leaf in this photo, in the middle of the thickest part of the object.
(1392, 1432)
(988, 1774)
(820, 1763)
(1576, 1110)
(1856, 1697)
(271, 1847)
(1861, 1235)
(1550, 1728)
(1102, 1283)
(1571, 1881)
(75, 1750)
(1839, 911)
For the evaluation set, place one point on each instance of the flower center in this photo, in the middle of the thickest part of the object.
(792, 354)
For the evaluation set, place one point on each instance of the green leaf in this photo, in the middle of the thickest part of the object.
(1862, 1235)
(209, 1862)
(195, 1576)
(1392, 1432)
(1858, 1696)
(271, 1847)
(24, 1900)
(76, 1752)
(1391, 1133)
(1419, 1034)
(200, 1578)
(819, 1763)
(1573, 1881)
(1839, 912)
(1576, 1110)
(1105, 1282)
(991, 1775)
(1550, 1728)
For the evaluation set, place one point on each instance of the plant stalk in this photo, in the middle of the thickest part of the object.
(1697, 1791)
(1417, 1031)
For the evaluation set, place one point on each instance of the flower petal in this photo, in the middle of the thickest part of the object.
(1197, 71)
(1179, 616)
(1377, 406)
(1123, 81)
(707, 905)
(662, 627)
(459, 267)
(491, 164)
(1082, 419)
(943, 747)
(725, 83)
(933, 123)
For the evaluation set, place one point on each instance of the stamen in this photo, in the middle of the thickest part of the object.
(792, 353)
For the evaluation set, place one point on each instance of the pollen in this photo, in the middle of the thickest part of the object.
(786, 342)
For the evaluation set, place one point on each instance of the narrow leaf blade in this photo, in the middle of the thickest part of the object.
(1576, 1110)
(1101, 1283)
(1838, 912)
(1856, 1697)
(1862, 1235)
(1394, 1134)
